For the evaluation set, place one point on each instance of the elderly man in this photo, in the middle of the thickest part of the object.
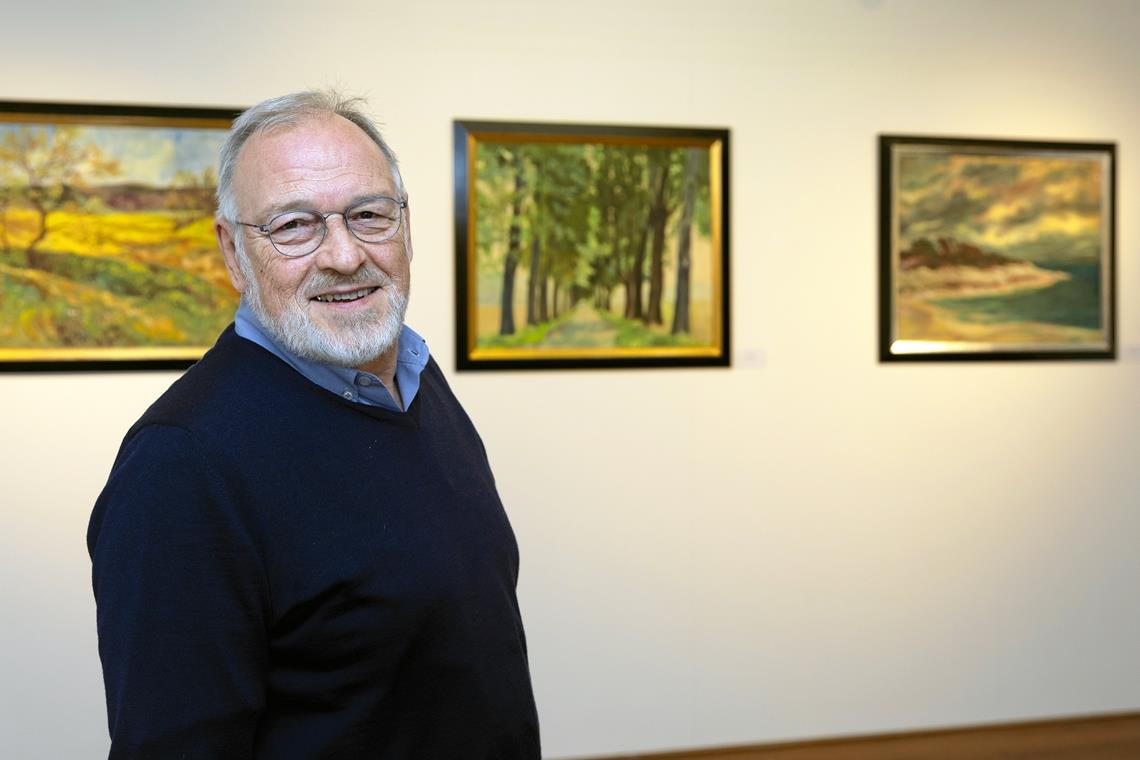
(300, 551)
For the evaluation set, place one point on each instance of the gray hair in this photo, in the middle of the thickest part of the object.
(287, 111)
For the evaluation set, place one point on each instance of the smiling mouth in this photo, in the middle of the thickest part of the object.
(354, 295)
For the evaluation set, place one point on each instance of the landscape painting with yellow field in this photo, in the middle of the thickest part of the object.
(107, 250)
(996, 249)
(590, 246)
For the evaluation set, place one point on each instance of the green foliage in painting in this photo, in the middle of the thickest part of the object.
(590, 245)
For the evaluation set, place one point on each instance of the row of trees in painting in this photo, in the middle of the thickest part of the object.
(95, 255)
(576, 233)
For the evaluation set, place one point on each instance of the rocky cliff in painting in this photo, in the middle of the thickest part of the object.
(949, 268)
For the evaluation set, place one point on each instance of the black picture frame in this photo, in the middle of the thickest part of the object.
(996, 249)
(591, 233)
(106, 236)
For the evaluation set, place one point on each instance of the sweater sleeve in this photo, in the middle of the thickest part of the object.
(182, 604)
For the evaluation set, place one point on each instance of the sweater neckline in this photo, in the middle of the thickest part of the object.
(409, 418)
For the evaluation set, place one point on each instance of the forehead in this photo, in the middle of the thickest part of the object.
(318, 162)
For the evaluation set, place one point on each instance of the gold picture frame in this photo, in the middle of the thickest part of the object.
(590, 246)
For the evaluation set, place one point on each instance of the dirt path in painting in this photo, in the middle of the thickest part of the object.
(584, 329)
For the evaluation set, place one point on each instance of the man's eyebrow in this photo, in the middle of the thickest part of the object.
(286, 206)
(371, 197)
(282, 208)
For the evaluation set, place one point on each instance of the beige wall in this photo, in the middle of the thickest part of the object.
(807, 544)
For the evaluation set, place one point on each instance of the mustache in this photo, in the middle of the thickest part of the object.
(368, 276)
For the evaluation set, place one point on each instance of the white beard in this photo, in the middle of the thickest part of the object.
(356, 342)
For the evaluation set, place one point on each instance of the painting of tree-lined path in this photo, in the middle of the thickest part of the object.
(584, 247)
(1001, 249)
(106, 240)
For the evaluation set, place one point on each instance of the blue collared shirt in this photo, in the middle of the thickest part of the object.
(349, 383)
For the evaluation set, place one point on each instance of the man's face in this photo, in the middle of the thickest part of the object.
(344, 303)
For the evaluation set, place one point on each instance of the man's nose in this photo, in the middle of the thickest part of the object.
(340, 251)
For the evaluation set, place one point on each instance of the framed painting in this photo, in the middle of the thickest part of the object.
(996, 249)
(107, 251)
(590, 246)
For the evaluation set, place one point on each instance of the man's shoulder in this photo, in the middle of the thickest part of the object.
(229, 381)
(433, 375)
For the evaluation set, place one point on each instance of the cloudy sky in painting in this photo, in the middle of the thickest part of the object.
(148, 155)
(153, 156)
(1032, 207)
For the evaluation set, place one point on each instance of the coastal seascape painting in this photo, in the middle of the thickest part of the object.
(590, 246)
(996, 249)
(107, 251)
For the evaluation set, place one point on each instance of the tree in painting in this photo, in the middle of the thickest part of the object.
(43, 172)
(591, 245)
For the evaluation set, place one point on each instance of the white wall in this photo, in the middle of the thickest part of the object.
(812, 545)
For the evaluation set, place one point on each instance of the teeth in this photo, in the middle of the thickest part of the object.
(332, 297)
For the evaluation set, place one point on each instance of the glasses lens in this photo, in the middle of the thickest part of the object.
(296, 233)
(374, 221)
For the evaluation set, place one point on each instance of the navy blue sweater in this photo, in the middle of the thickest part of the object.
(280, 573)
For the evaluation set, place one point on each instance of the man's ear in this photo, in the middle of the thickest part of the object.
(225, 235)
(408, 231)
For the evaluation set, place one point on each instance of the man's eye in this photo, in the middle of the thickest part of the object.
(369, 215)
(292, 225)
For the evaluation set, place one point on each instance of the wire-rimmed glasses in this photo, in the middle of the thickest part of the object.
(300, 232)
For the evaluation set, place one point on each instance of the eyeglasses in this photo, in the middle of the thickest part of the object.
(299, 233)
